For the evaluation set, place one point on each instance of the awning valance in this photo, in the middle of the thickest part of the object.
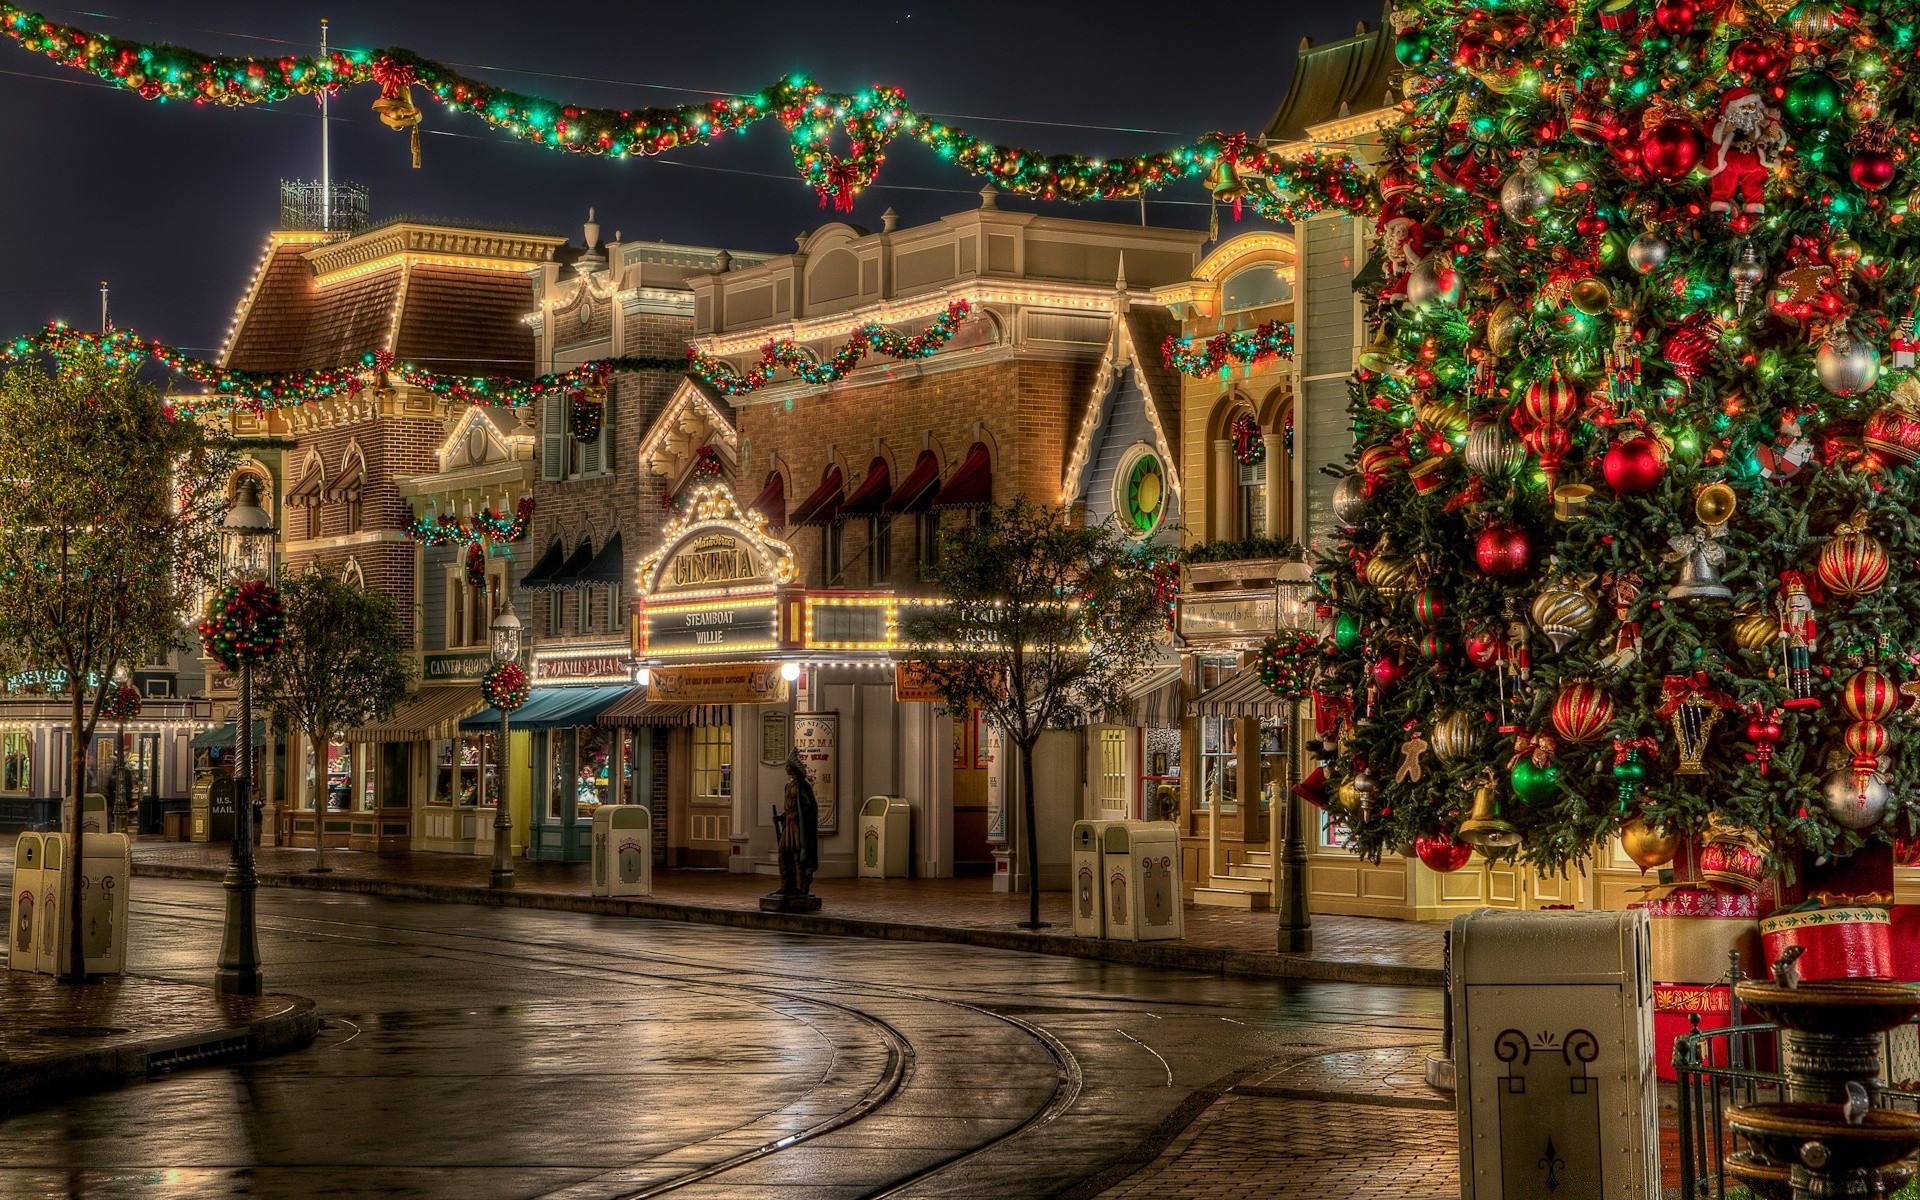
(772, 501)
(1242, 695)
(306, 491)
(1152, 699)
(608, 566)
(430, 714)
(635, 709)
(220, 737)
(552, 708)
(568, 576)
(346, 486)
(549, 565)
(873, 493)
(971, 485)
(916, 490)
(822, 507)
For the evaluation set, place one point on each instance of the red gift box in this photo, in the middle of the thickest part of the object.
(1674, 1007)
(1693, 930)
(1906, 942)
(1839, 940)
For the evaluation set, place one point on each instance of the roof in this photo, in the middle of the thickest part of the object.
(1242, 695)
(1150, 327)
(1145, 329)
(1352, 75)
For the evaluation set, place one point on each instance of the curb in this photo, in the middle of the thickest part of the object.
(1236, 964)
(27, 1085)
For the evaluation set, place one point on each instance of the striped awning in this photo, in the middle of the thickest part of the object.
(429, 715)
(1152, 699)
(634, 709)
(1242, 695)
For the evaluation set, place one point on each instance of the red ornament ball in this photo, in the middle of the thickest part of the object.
(1906, 852)
(1582, 712)
(1852, 564)
(1866, 741)
(1443, 854)
(1687, 351)
(1484, 648)
(1429, 606)
(1634, 466)
(1387, 672)
(1872, 169)
(1868, 694)
(1676, 16)
(1503, 551)
(1763, 729)
(1671, 150)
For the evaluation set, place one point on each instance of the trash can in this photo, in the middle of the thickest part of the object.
(1089, 910)
(1142, 867)
(23, 939)
(106, 868)
(93, 813)
(623, 850)
(48, 949)
(1553, 1049)
(886, 838)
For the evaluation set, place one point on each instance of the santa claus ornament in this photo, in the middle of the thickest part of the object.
(1746, 142)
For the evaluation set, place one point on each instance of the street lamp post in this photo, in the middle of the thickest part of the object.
(246, 546)
(505, 631)
(1294, 605)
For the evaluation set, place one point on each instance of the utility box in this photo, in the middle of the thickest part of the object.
(886, 838)
(23, 938)
(1553, 1046)
(1089, 902)
(1141, 863)
(623, 850)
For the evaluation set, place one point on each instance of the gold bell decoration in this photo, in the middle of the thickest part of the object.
(395, 107)
(1714, 506)
(1381, 354)
(1485, 829)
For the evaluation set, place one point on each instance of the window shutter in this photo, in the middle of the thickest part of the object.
(593, 455)
(553, 437)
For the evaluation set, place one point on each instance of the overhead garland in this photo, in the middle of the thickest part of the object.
(483, 526)
(869, 120)
(1213, 356)
(724, 378)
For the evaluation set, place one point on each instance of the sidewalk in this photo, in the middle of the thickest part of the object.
(1222, 941)
(57, 1038)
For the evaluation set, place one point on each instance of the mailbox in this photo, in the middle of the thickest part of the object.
(1141, 865)
(1553, 1046)
(623, 850)
(886, 838)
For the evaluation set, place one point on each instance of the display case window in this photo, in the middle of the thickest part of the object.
(713, 762)
(16, 761)
(1273, 762)
(339, 777)
(460, 771)
(1220, 763)
(593, 777)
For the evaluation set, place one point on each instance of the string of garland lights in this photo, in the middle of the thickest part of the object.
(869, 120)
(724, 378)
(483, 526)
(1213, 356)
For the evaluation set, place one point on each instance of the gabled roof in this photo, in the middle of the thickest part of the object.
(1133, 352)
(1352, 75)
(694, 415)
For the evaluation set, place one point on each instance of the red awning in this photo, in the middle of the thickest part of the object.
(971, 485)
(352, 475)
(772, 501)
(870, 498)
(823, 506)
(307, 491)
(919, 487)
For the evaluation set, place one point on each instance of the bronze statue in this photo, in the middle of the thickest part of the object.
(797, 828)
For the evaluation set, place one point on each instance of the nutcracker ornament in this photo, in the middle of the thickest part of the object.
(1621, 591)
(1515, 664)
(1799, 637)
(1746, 142)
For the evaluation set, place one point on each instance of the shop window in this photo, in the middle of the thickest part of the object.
(554, 619)
(593, 778)
(616, 615)
(1255, 287)
(354, 513)
(1219, 763)
(712, 763)
(457, 765)
(1273, 762)
(832, 540)
(339, 789)
(583, 607)
(1115, 747)
(16, 761)
(1253, 500)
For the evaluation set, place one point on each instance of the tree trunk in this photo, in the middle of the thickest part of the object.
(322, 800)
(73, 896)
(1033, 834)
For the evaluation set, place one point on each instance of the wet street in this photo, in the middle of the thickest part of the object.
(478, 1053)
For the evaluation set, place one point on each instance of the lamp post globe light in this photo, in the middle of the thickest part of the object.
(1294, 608)
(246, 553)
(504, 637)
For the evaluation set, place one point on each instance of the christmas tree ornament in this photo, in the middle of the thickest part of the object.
(1747, 274)
(1700, 557)
(1852, 562)
(1787, 453)
(1542, 415)
(1503, 551)
(1582, 712)
(1526, 194)
(1630, 766)
(1714, 505)
(1532, 772)
(1731, 858)
(1430, 606)
(1435, 648)
(1905, 344)
(1412, 753)
(1872, 168)
(1892, 432)
(1622, 589)
(1566, 609)
(1350, 499)
(1389, 574)
(1754, 629)
(1764, 733)
(1346, 631)
(1864, 105)
(1852, 802)
(1435, 281)
(1799, 637)
(1648, 252)
(1688, 349)
(1428, 474)
(1846, 365)
(1485, 829)
(1570, 501)
(1455, 735)
(1387, 674)
(1868, 695)
(1648, 845)
(1364, 791)
(1635, 464)
(1590, 295)
(1845, 254)
(1866, 741)
(1504, 327)
(1618, 16)
(1812, 21)
(1443, 854)
(1813, 98)
(1413, 47)
(1484, 647)
(1671, 150)
(1746, 144)
(1677, 17)
(1491, 451)
(1692, 707)
(1447, 417)
(1906, 852)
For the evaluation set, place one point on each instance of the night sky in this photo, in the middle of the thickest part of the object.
(170, 202)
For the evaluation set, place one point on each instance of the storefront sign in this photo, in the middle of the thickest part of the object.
(605, 667)
(911, 685)
(718, 683)
(851, 623)
(1242, 614)
(988, 754)
(714, 559)
(816, 740)
(732, 627)
(465, 664)
(776, 739)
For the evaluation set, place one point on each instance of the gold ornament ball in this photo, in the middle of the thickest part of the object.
(1453, 736)
(1755, 630)
(1565, 610)
(1504, 326)
(1591, 296)
(1391, 577)
(1646, 845)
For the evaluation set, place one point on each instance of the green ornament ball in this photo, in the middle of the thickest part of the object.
(1812, 98)
(1346, 632)
(1534, 785)
(1413, 47)
(1630, 771)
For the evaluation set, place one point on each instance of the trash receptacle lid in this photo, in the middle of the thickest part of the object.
(1118, 839)
(1502, 946)
(875, 806)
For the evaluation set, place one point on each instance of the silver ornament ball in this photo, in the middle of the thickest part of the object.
(1526, 195)
(1493, 452)
(1648, 253)
(1350, 499)
(1852, 803)
(1846, 366)
(1435, 280)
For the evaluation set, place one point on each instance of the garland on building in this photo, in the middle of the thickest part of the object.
(122, 703)
(868, 121)
(244, 624)
(1215, 356)
(1631, 526)
(483, 526)
(786, 353)
(505, 686)
(476, 565)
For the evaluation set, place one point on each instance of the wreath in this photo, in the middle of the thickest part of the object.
(122, 703)
(707, 464)
(585, 417)
(1165, 575)
(1249, 447)
(244, 624)
(476, 566)
(1288, 664)
(506, 686)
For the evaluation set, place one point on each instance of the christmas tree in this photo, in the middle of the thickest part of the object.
(1629, 540)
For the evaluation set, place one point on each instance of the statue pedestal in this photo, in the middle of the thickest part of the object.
(783, 902)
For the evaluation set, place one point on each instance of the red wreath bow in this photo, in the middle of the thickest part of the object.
(1624, 748)
(1537, 747)
(1675, 690)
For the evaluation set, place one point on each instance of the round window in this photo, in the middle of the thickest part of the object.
(1143, 493)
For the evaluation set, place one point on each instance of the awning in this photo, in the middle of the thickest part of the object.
(1242, 695)
(608, 566)
(549, 565)
(220, 737)
(552, 708)
(635, 709)
(347, 485)
(1152, 699)
(568, 575)
(772, 501)
(306, 492)
(916, 491)
(819, 508)
(971, 485)
(428, 715)
(870, 498)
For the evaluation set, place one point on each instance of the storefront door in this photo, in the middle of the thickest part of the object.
(706, 821)
(972, 853)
